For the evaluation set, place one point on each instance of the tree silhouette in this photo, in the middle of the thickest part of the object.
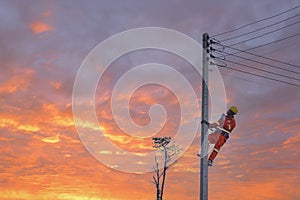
(161, 143)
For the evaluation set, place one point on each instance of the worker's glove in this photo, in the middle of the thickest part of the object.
(205, 122)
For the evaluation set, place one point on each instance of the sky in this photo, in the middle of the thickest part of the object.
(43, 44)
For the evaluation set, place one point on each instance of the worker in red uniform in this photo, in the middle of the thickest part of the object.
(224, 127)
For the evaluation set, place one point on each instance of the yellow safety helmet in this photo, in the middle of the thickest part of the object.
(234, 109)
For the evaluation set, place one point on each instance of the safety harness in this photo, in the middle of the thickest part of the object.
(224, 132)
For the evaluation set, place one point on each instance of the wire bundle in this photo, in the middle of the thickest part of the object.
(270, 71)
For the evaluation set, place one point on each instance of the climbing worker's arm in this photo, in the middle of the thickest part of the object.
(215, 124)
(218, 123)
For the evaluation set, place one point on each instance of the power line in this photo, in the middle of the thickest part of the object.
(267, 33)
(239, 78)
(267, 58)
(262, 63)
(262, 70)
(256, 55)
(241, 27)
(258, 75)
(281, 48)
(279, 40)
(259, 29)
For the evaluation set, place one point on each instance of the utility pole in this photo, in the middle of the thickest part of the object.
(204, 127)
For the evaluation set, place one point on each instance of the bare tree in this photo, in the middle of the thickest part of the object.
(169, 152)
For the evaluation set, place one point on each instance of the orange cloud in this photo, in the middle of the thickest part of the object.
(51, 139)
(47, 13)
(292, 142)
(56, 117)
(124, 139)
(30, 128)
(16, 125)
(271, 188)
(20, 81)
(59, 163)
(38, 27)
(56, 85)
(23, 194)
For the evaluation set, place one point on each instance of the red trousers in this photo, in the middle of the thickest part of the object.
(221, 141)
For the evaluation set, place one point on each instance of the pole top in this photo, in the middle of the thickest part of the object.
(205, 38)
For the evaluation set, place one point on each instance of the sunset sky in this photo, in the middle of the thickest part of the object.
(43, 44)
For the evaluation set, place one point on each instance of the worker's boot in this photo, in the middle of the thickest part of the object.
(210, 162)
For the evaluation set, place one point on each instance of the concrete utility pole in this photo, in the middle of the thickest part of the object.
(204, 127)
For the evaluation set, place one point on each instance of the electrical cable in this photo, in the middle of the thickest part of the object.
(259, 29)
(267, 58)
(281, 48)
(279, 40)
(261, 76)
(262, 63)
(242, 79)
(267, 33)
(262, 70)
(249, 24)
